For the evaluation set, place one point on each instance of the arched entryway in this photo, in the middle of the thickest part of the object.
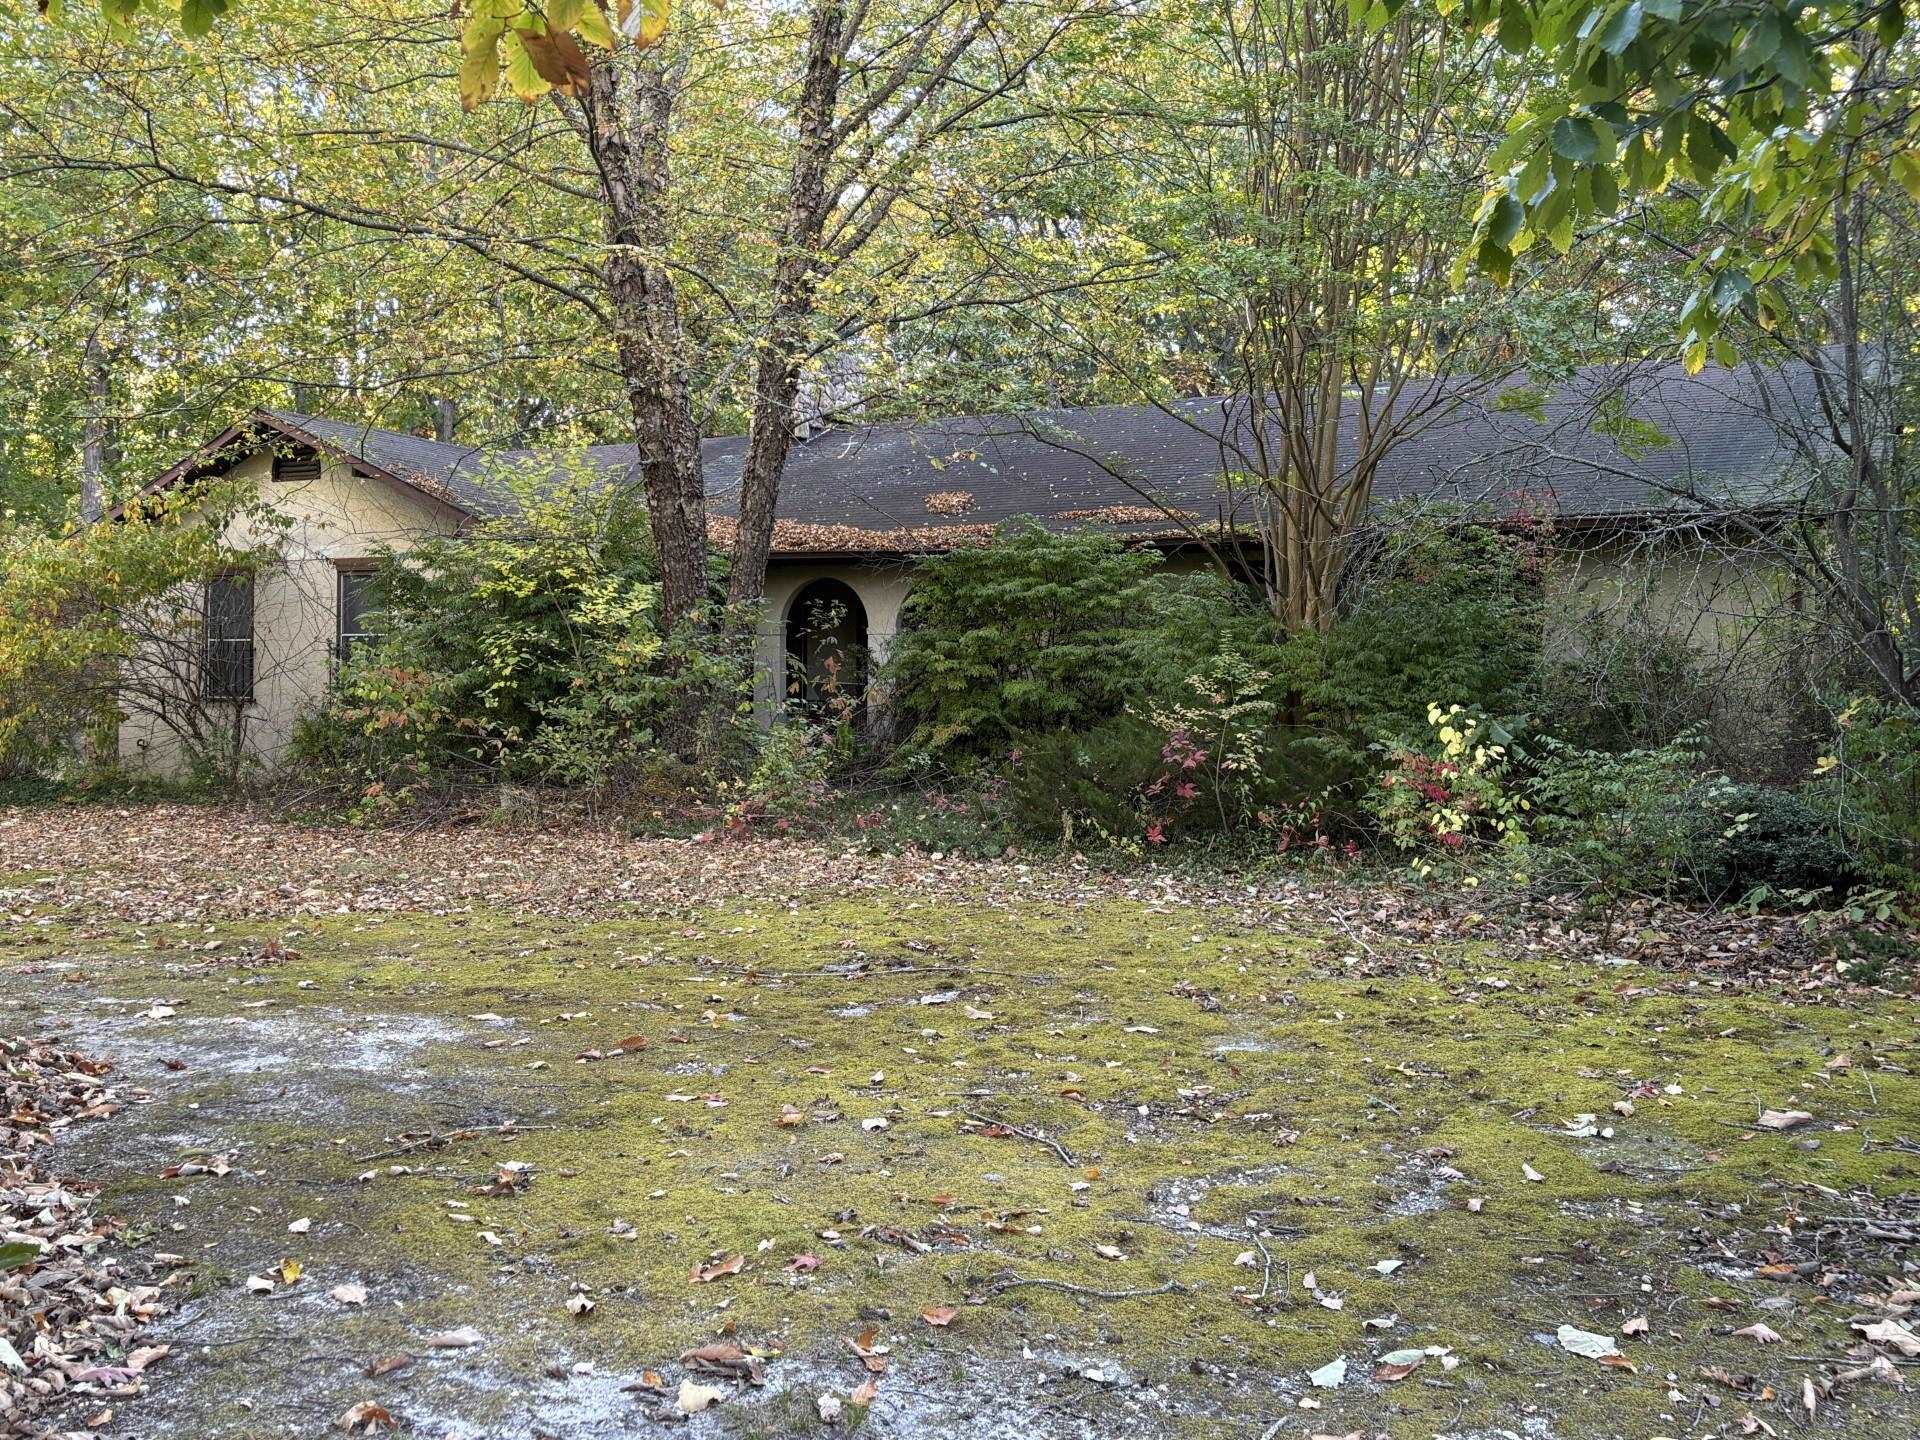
(827, 651)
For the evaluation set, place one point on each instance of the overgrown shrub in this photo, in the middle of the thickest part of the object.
(1445, 612)
(790, 778)
(1868, 787)
(107, 621)
(528, 649)
(1619, 682)
(1614, 825)
(1453, 794)
(1751, 837)
(1034, 632)
(1076, 787)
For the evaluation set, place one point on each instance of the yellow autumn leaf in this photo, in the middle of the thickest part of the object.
(480, 60)
(523, 78)
(594, 28)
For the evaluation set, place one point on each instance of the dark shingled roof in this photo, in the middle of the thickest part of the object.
(918, 486)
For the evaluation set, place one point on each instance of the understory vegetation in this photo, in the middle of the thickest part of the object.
(1475, 715)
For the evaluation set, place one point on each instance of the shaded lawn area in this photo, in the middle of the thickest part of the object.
(1162, 1157)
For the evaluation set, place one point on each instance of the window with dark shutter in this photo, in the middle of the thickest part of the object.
(359, 621)
(296, 465)
(229, 647)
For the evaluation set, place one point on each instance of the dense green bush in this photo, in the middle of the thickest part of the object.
(1614, 825)
(1076, 787)
(104, 622)
(1215, 759)
(528, 649)
(1440, 614)
(1751, 837)
(1033, 632)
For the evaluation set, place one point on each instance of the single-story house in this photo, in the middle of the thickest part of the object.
(859, 504)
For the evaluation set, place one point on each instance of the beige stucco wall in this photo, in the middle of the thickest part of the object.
(339, 517)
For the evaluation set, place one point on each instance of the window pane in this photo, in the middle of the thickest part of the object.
(359, 620)
(229, 651)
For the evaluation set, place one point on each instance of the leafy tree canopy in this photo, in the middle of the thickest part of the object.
(1764, 113)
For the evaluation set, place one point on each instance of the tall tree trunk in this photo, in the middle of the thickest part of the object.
(796, 278)
(628, 108)
(96, 432)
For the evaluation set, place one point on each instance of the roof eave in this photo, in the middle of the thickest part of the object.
(218, 450)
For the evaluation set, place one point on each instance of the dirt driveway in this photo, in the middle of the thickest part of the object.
(584, 1137)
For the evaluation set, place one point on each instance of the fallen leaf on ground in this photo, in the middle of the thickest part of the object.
(1783, 1119)
(695, 1397)
(365, 1416)
(939, 1316)
(1891, 1332)
(732, 1265)
(455, 1339)
(348, 1294)
(1764, 1334)
(723, 1357)
(1636, 1326)
(1331, 1375)
(1585, 1342)
(387, 1364)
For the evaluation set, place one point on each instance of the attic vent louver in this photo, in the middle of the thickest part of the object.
(299, 465)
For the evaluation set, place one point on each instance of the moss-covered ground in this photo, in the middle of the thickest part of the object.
(1169, 1118)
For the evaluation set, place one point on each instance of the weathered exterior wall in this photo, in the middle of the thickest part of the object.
(1708, 596)
(881, 586)
(339, 517)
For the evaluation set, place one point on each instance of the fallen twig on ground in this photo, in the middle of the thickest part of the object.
(1002, 1283)
(1066, 1156)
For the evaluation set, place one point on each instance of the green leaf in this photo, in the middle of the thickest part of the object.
(1516, 27)
(1504, 222)
(17, 1253)
(197, 16)
(594, 27)
(523, 76)
(1623, 29)
(1573, 139)
(1763, 39)
(480, 62)
(1708, 147)
(1496, 261)
(1906, 169)
(1890, 25)
(1731, 289)
(1604, 188)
